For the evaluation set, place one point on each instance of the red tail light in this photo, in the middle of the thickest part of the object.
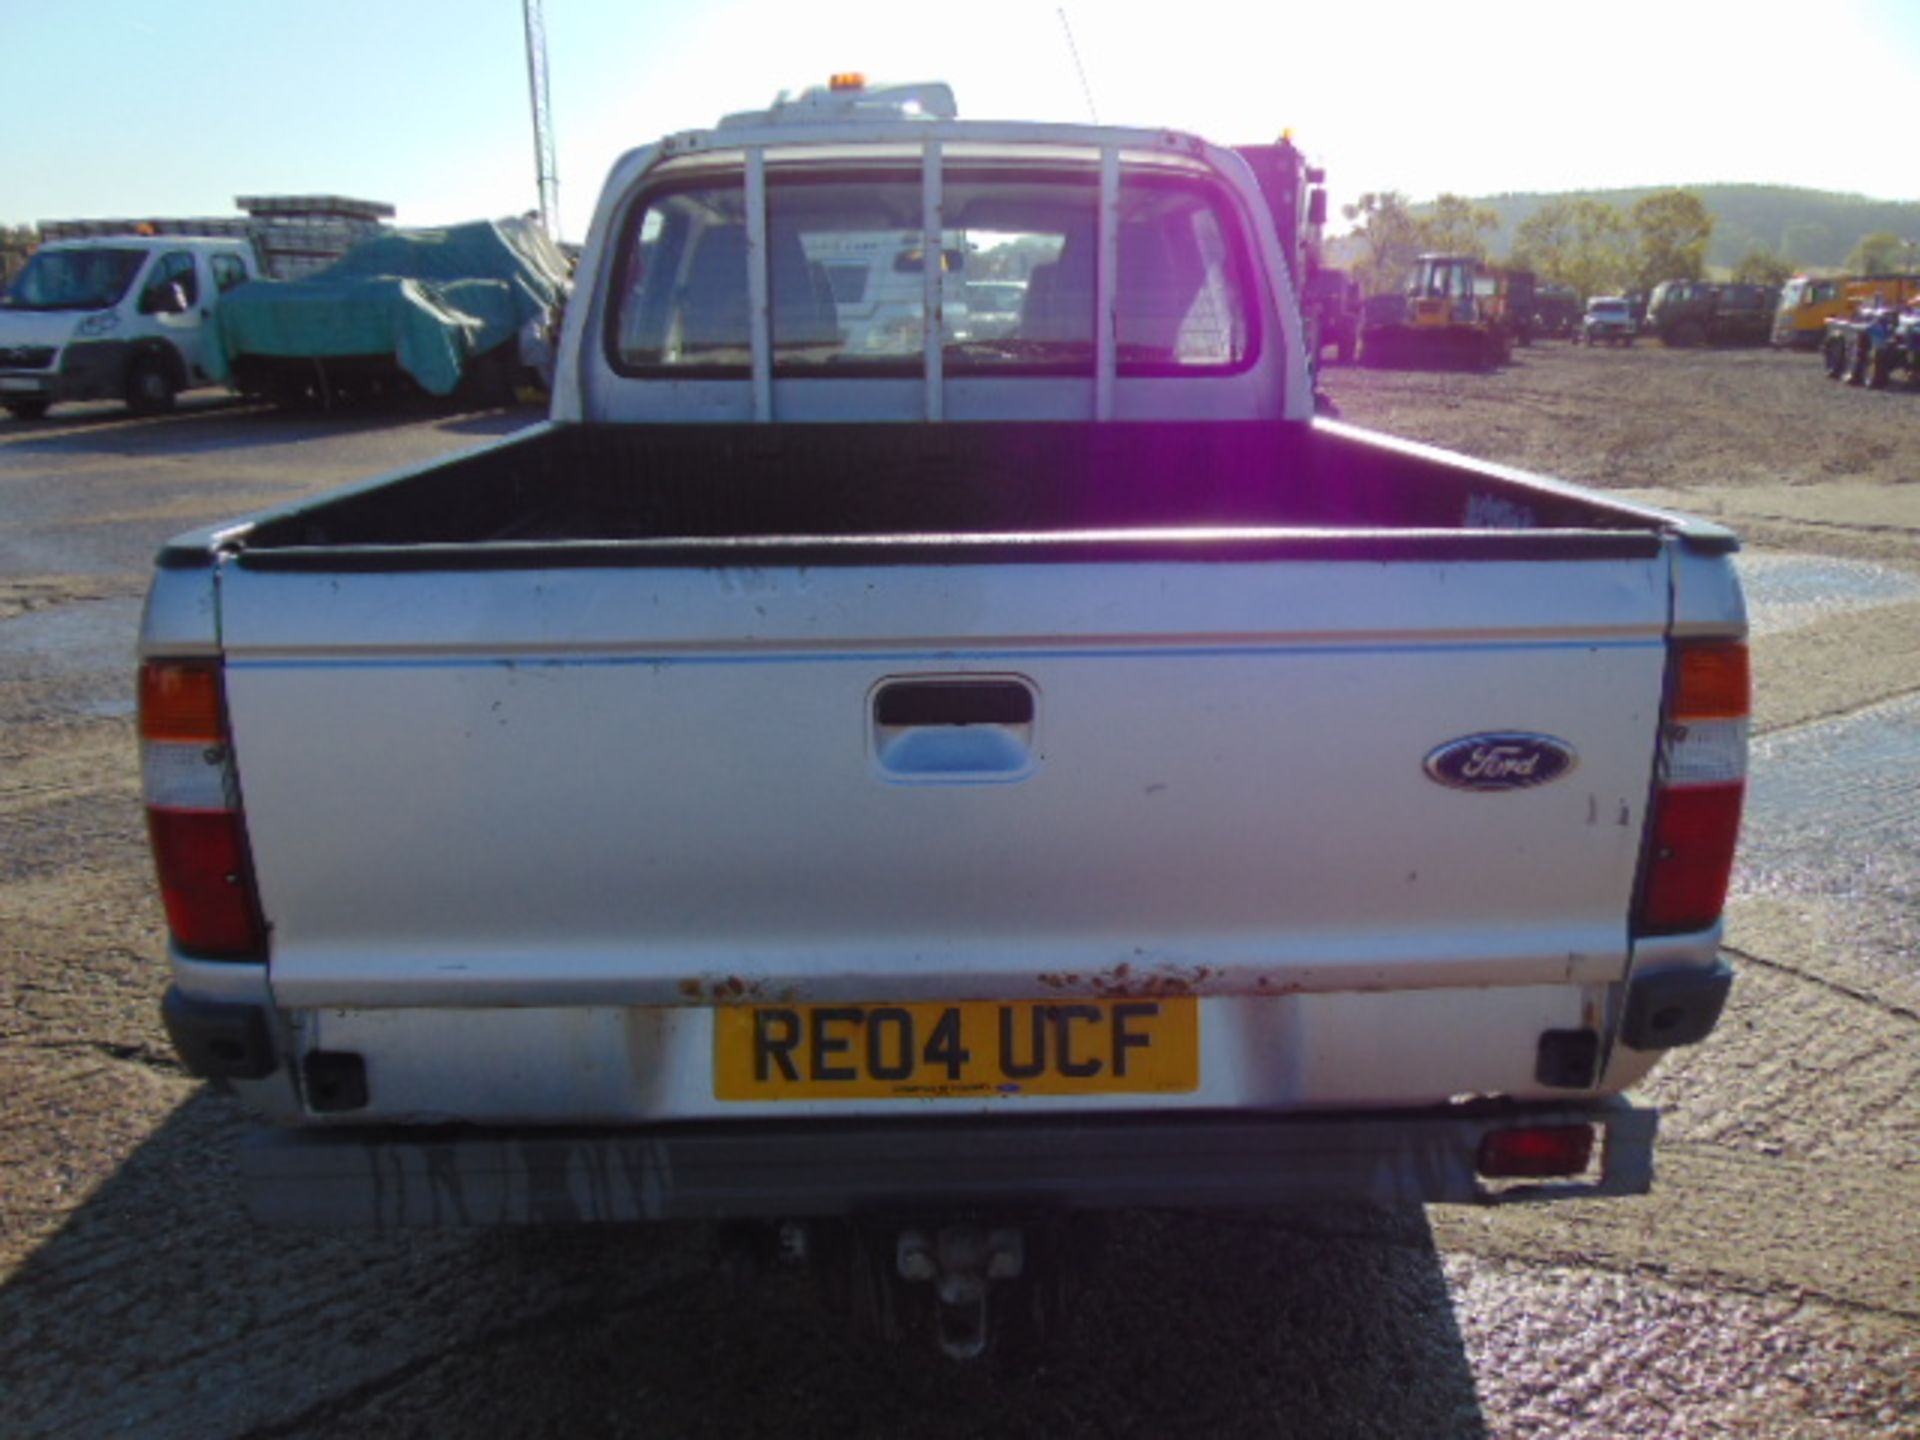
(1703, 786)
(202, 863)
(1695, 829)
(1538, 1152)
(193, 812)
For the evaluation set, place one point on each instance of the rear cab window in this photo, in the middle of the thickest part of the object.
(1014, 272)
(229, 272)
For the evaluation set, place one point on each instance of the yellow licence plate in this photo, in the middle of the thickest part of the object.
(973, 1048)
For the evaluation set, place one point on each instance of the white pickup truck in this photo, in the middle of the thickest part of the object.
(928, 792)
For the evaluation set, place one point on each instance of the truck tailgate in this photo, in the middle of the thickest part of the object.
(639, 784)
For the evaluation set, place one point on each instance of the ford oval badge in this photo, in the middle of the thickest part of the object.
(1500, 760)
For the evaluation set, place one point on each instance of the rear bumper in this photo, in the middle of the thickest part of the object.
(461, 1177)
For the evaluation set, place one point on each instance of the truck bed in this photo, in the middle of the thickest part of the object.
(680, 493)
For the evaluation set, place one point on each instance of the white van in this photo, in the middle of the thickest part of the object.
(879, 286)
(128, 317)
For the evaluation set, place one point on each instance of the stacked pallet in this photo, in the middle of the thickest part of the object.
(294, 235)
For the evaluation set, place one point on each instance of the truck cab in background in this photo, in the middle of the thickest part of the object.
(1556, 311)
(1685, 313)
(126, 317)
(1608, 320)
(1296, 197)
(1808, 302)
(1333, 303)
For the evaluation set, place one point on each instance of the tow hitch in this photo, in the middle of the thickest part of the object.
(973, 1284)
(961, 1261)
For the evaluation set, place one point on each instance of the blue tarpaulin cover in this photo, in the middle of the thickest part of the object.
(431, 299)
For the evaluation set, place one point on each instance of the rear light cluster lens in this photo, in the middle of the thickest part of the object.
(193, 811)
(1535, 1152)
(1702, 789)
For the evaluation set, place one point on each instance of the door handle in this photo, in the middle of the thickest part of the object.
(954, 728)
(953, 702)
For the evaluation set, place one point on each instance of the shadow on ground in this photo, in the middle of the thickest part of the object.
(161, 1310)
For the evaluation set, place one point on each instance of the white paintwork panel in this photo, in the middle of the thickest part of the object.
(613, 1065)
(1223, 789)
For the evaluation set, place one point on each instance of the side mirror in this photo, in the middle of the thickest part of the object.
(165, 297)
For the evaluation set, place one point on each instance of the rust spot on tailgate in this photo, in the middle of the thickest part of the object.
(725, 990)
(1125, 981)
(1143, 979)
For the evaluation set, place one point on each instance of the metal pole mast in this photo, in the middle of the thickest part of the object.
(546, 174)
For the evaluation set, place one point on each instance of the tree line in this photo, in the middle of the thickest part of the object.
(1594, 247)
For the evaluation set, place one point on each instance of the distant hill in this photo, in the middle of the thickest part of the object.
(1811, 228)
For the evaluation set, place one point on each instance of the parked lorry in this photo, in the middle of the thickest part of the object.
(1296, 196)
(1333, 304)
(1557, 311)
(908, 801)
(1518, 289)
(1808, 302)
(422, 311)
(130, 309)
(1685, 313)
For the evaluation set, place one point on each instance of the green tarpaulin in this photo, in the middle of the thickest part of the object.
(431, 299)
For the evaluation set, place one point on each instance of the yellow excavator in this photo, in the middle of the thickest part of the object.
(1456, 311)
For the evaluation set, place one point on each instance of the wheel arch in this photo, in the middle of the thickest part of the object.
(159, 349)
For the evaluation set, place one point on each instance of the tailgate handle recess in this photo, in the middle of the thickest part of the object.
(953, 702)
(954, 729)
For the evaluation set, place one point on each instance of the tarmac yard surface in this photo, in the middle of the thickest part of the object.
(1769, 1286)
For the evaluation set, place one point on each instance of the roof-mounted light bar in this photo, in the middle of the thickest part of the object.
(847, 96)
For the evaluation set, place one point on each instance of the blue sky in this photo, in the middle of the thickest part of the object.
(139, 108)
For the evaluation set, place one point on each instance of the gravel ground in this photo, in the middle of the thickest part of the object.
(1769, 1286)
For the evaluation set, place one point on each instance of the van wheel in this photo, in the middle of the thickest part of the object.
(150, 388)
(27, 409)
